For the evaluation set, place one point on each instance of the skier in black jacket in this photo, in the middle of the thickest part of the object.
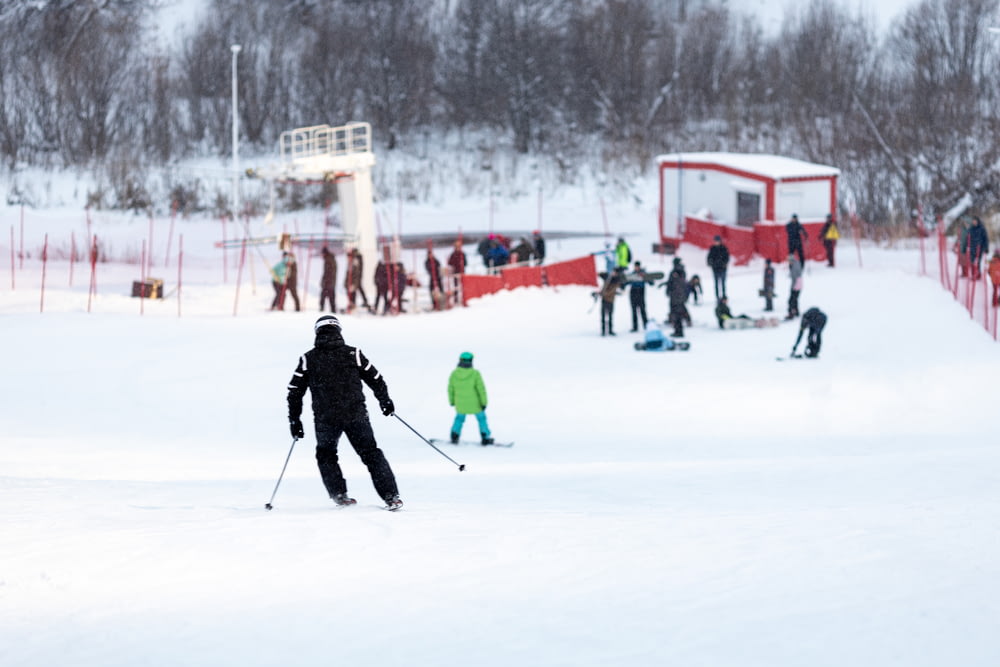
(718, 260)
(333, 371)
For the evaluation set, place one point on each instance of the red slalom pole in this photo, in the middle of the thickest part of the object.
(45, 261)
(92, 292)
(180, 266)
(239, 275)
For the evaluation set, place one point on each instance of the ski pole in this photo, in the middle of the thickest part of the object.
(268, 505)
(461, 466)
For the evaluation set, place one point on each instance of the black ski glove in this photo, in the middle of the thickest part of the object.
(295, 426)
(387, 407)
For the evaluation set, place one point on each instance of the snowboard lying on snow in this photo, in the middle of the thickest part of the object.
(744, 323)
(681, 345)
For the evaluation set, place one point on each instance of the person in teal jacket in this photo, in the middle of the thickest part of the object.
(467, 393)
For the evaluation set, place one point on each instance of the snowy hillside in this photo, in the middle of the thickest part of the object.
(710, 507)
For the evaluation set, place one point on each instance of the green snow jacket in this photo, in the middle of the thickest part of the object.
(466, 391)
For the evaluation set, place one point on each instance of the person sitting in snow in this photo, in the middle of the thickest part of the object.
(722, 313)
(467, 394)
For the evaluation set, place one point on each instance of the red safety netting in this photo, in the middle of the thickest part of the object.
(522, 276)
(767, 240)
(573, 272)
(474, 287)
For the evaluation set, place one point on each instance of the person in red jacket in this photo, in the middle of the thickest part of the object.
(994, 271)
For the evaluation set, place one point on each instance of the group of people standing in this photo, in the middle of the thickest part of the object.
(497, 250)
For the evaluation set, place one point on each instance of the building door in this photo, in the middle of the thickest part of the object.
(747, 208)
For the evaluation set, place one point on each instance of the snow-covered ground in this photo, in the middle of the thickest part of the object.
(710, 507)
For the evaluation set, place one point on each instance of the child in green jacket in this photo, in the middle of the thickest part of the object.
(467, 393)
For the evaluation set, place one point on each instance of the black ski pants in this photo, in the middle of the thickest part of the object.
(362, 439)
(607, 318)
(720, 283)
(637, 299)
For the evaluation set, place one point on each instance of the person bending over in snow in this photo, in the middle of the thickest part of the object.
(814, 320)
(467, 394)
(333, 371)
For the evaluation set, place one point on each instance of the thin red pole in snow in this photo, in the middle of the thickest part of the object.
(604, 216)
(149, 257)
(856, 229)
(305, 285)
(142, 280)
(180, 266)
(225, 253)
(21, 262)
(45, 260)
(72, 255)
(958, 260)
(239, 275)
(986, 302)
(170, 233)
(539, 226)
(92, 292)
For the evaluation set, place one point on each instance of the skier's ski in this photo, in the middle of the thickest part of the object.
(794, 356)
(439, 441)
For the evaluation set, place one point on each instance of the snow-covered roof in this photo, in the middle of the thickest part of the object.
(771, 166)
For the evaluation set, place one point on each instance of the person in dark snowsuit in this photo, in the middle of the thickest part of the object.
(381, 287)
(718, 261)
(768, 291)
(434, 285)
(333, 372)
(539, 246)
(609, 290)
(979, 245)
(814, 320)
(328, 282)
(637, 297)
(676, 285)
(292, 281)
(796, 238)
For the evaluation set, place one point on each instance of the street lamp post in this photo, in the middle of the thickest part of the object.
(235, 48)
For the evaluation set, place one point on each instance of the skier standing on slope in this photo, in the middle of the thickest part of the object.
(467, 394)
(333, 371)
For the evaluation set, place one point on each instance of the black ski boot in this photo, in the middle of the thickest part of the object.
(393, 503)
(454, 438)
(343, 500)
(487, 440)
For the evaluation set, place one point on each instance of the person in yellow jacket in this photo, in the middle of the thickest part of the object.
(467, 393)
(829, 234)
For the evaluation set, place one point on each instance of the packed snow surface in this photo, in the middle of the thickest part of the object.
(709, 507)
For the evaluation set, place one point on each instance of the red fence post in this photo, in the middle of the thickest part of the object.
(45, 261)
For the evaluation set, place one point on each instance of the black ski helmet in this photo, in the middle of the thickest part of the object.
(326, 321)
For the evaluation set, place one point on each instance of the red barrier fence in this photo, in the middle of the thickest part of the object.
(968, 284)
(573, 272)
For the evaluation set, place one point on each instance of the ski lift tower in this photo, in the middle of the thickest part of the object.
(341, 155)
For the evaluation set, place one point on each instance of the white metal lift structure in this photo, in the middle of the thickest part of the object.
(341, 155)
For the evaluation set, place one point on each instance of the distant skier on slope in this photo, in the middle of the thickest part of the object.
(333, 372)
(814, 320)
